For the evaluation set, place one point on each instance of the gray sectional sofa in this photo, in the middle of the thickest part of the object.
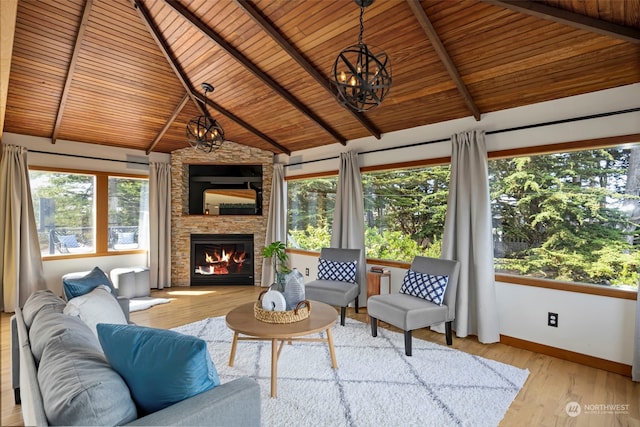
(65, 379)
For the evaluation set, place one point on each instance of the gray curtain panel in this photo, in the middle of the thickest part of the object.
(467, 238)
(276, 220)
(20, 260)
(348, 217)
(635, 369)
(159, 225)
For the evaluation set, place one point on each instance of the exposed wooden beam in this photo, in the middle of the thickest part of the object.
(294, 53)
(245, 62)
(168, 123)
(182, 77)
(72, 67)
(442, 53)
(540, 10)
(8, 13)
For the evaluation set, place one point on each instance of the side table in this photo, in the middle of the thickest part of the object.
(373, 282)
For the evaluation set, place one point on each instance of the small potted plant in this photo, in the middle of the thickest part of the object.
(277, 252)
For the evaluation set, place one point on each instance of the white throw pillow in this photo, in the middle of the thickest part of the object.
(98, 306)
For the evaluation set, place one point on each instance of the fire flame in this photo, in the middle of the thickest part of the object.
(221, 263)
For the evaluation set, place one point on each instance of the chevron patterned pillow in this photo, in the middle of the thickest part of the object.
(336, 270)
(426, 286)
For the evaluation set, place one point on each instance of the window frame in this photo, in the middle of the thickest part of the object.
(101, 212)
(563, 147)
(579, 145)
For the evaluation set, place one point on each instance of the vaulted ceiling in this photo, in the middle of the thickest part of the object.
(128, 73)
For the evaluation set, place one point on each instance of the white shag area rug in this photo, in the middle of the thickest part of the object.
(143, 303)
(375, 383)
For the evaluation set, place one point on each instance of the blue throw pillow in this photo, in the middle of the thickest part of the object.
(161, 367)
(336, 270)
(426, 286)
(83, 285)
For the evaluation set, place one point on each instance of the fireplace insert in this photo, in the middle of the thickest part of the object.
(222, 259)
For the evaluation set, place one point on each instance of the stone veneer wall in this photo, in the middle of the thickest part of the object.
(183, 224)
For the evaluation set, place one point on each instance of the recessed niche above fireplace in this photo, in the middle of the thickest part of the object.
(225, 189)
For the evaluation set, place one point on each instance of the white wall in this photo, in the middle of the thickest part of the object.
(55, 269)
(598, 326)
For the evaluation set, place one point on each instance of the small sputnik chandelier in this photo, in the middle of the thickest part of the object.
(362, 78)
(204, 132)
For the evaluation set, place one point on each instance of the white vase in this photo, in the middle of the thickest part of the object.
(294, 289)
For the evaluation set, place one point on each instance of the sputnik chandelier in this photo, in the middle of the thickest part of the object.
(362, 78)
(204, 132)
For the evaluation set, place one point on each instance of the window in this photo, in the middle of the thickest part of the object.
(310, 212)
(64, 205)
(68, 208)
(405, 211)
(569, 216)
(128, 211)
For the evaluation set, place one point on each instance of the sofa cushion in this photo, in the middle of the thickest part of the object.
(98, 306)
(39, 300)
(49, 324)
(336, 270)
(161, 367)
(78, 386)
(425, 286)
(75, 287)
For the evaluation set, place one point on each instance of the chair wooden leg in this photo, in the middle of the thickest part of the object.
(343, 314)
(407, 343)
(447, 331)
(357, 304)
(374, 326)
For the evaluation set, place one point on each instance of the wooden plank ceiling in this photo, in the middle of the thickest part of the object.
(127, 73)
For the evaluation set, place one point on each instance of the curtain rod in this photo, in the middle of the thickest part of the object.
(535, 125)
(90, 157)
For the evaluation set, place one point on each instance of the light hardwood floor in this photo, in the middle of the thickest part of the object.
(551, 385)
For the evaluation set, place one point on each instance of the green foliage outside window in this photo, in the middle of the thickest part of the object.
(568, 216)
(404, 212)
(571, 216)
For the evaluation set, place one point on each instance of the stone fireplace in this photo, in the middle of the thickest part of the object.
(184, 225)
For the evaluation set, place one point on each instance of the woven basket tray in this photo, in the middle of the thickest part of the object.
(301, 312)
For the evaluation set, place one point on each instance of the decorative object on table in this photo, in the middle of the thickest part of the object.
(277, 252)
(273, 301)
(361, 77)
(294, 289)
(204, 132)
(375, 382)
(379, 269)
(300, 312)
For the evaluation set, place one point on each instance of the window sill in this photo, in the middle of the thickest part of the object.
(91, 255)
(581, 288)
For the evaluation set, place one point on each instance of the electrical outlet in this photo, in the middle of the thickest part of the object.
(306, 271)
(552, 319)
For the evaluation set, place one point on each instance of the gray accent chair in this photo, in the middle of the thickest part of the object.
(334, 292)
(408, 312)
